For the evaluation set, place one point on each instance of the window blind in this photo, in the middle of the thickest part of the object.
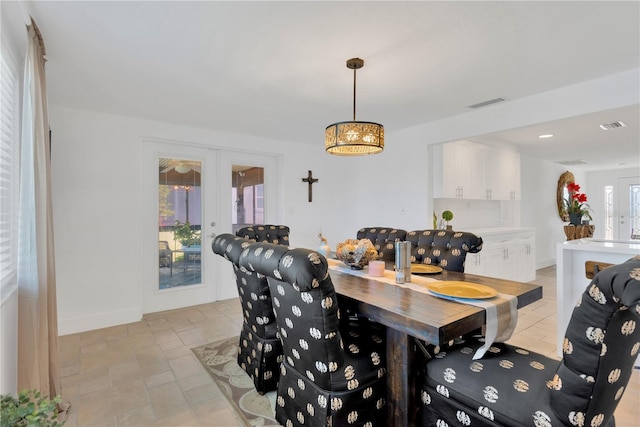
(9, 173)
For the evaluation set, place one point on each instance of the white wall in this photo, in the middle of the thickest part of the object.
(97, 185)
(539, 207)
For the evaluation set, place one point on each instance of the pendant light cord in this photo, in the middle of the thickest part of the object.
(354, 94)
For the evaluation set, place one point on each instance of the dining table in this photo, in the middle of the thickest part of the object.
(411, 318)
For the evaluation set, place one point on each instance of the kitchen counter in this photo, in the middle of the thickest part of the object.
(570, 270)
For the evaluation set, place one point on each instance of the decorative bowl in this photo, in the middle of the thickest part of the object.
(356, 253)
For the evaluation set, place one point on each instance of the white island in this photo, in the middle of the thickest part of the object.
(570, 271)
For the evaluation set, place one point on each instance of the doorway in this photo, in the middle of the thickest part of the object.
(629, 208)
(192, 194)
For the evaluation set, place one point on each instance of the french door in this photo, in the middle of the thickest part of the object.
(192, 193)
(629, 208)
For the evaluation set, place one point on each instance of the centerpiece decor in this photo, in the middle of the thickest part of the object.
(356, 253)
(324, 247)
(576, 204)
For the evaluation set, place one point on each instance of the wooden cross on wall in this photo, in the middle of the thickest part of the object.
(310, 180)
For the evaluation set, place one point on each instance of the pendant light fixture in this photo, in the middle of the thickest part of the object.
(354, 138)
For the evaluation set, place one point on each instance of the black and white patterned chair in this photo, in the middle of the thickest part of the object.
(444, 248)
(383, 239)
(511, 386)
(334, 371)
(276, 234)
(259, 346)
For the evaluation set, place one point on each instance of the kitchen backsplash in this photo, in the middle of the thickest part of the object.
(469, 214)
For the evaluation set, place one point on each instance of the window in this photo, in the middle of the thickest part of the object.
(9, 156)
(634, 210)
(608, 212)
(247, 196)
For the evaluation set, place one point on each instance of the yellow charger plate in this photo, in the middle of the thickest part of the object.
(425, 269)
(460, 289)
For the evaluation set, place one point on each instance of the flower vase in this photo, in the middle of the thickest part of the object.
(575, 218)
(324, 249)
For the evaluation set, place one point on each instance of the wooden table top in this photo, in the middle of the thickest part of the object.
(421, 315)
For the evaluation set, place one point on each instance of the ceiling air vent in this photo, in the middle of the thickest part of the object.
(614, 125)
(573, 162)
(485, 103)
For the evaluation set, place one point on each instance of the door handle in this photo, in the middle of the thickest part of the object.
(212, 235)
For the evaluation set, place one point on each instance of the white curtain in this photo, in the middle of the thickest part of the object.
(37, 307)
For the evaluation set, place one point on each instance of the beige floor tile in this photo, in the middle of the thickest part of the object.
(86, 382)
(137, 417)
(127, 396)
(167, 399)
(183, 417)
(161, 378)
(122, 373)
(185, 366)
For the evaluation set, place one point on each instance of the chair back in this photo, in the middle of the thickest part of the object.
(445, 248)
(308, 318)
(306, 307)
(253, 289)
(276, 234)
(601, 345)
(383, 239)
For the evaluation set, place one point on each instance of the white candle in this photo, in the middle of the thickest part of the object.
(376, 268)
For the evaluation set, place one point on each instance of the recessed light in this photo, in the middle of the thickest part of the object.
(546, 135)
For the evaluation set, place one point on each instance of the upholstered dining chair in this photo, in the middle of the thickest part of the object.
(444, 248)
(512, 386)
(383, 239)
(276, 234)
(259, 347)
(334, 371)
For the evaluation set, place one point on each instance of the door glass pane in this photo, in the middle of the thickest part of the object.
(247, 196)
(634, 210)
(608, 212)
(179, 224)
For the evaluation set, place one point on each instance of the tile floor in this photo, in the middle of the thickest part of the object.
(144, 373)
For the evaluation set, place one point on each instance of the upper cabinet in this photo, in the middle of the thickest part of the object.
(503, 174)
(468, 170)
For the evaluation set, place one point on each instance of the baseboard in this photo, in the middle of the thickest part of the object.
(98, 321)
(545, 263)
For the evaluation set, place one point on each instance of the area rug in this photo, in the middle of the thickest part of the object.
(220, 361)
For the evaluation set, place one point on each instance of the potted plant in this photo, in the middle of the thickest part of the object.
(447, 216)
(576, 204)
(29, 409)
(186, 235)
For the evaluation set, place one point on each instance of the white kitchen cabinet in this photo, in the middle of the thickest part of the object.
(506, 254)
(468, 170)
(458, 170)
(503, 174)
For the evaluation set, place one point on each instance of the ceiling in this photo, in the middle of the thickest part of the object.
(277, 69)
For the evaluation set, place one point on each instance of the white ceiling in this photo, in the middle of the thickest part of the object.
(277, 69)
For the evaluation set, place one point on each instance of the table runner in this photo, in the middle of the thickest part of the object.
(501, 310)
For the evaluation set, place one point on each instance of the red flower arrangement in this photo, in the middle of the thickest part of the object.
(576, 204)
